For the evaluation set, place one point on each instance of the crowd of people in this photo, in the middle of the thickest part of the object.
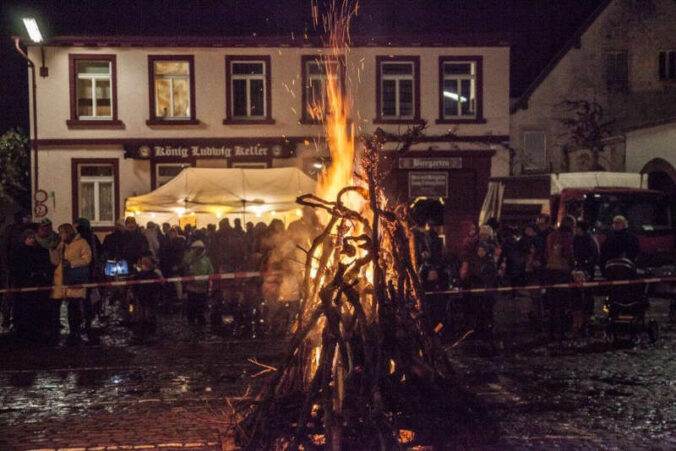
(35, 255)
(489, 255)
(494, 254)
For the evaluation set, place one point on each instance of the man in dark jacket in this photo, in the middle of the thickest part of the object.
(621, 243)
(135, 244)
(31, 268)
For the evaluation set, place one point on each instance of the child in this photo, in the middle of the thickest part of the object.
(147, 296)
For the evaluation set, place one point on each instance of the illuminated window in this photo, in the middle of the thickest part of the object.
(172, 82)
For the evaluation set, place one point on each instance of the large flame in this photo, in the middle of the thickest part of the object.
(339, 131)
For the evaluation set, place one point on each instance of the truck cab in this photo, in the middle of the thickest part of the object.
(651, 216)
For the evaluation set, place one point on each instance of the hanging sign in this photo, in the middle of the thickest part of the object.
(430, 163)
(427, 184)
(225, 149)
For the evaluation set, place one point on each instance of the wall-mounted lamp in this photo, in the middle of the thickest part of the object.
(36, 36)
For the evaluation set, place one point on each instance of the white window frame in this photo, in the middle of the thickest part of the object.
(96, 180)
(530, 166)
(158, 177)
(472, 77)
(322, 78)
(248, 78)
(397, 79)
(93, 78)
(170, 114)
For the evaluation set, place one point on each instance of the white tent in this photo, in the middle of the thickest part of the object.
(211, 194)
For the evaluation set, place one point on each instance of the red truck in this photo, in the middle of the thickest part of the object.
(595, 197)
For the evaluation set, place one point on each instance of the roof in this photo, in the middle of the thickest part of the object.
(431, 40)
(572, 42)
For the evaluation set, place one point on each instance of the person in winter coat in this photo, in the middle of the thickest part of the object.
(147, 296)
(72, 253)
(559, 257)
(31, 268)
(621, 243)
(93, 301)
(586, 255)
(481, 272)
(46, 236)
(113, 243)
(135, 244)
(197, 263)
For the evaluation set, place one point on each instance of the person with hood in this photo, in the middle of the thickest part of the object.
(197, 263)
(46, 237)
(31, 268)
(71, 258)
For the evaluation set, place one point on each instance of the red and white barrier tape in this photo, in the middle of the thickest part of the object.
(129, 282)
(604, 283)
(254, 274)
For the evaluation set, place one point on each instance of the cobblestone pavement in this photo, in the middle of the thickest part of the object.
(169, 392)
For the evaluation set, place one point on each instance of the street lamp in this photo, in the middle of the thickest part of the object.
(36, 36)
(33, 29)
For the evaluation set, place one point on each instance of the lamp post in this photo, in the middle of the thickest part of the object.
(35, 36)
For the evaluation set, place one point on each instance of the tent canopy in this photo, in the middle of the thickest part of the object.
(214, 193)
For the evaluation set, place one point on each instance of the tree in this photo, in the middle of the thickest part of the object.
(15, 164)
(586, 128)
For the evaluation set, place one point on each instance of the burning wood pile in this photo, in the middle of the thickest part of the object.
(364, 368)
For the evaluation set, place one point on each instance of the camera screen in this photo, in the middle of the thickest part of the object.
(116, 268)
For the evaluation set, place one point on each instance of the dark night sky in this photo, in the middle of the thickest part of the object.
(537, 28)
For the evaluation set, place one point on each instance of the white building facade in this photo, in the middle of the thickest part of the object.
(118, 117)
(622, 59)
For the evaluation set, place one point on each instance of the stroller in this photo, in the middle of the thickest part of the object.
(626, 305)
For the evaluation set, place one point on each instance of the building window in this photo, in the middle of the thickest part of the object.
(93, 89)
(667, 65)
(172, 89)
(617, 71)
(460, 88)
(248, 88)
(534, 151)
(317, 71)
(96, 191)
(398, 89)
(167, 171)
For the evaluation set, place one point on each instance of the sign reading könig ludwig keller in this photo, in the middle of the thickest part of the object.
(225, 149)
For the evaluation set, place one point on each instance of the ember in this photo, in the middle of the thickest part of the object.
(364, 368)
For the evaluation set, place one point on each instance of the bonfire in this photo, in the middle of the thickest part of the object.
(364, 369)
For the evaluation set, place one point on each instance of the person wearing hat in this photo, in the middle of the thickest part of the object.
(197, 263)
(46, 236)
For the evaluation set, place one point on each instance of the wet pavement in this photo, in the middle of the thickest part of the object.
(169, 392)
